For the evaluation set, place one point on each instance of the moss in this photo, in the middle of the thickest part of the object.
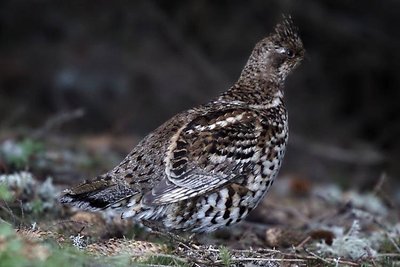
(18, 154)
(163, 260)
(226, 256)
(388, 247)
(5, 193)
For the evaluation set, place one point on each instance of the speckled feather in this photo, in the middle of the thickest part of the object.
(209, 166)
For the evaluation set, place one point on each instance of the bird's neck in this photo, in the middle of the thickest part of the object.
(256, 86)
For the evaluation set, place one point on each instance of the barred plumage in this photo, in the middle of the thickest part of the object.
(209, 166)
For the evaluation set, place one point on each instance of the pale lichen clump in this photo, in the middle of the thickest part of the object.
(78, 241)
(23, 181)
(35, 195)
(351, 245)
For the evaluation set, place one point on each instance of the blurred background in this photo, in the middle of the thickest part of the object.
(114, 71)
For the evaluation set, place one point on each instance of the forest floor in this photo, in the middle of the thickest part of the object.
(299, 223)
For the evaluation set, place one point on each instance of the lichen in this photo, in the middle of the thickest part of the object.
(350, 245)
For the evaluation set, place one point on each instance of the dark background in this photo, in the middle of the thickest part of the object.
(133, 64)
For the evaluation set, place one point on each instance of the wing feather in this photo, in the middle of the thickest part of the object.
(210, 151)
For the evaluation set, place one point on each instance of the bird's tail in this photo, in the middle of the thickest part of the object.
(96, 194)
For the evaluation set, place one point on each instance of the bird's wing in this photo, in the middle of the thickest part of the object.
(211, 150)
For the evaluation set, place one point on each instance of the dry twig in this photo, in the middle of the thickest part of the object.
(56, 121)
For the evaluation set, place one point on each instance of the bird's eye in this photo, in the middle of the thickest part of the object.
(290, 53)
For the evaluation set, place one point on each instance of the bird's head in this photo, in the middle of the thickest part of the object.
(275, 56)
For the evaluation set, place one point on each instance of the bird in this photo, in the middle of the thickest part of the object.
(209, 166)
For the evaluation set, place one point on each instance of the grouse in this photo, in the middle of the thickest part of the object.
(209, 166)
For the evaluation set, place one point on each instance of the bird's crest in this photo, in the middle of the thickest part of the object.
(286, 30)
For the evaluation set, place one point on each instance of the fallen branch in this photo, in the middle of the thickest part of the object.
(361, 156)
(56, 121)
